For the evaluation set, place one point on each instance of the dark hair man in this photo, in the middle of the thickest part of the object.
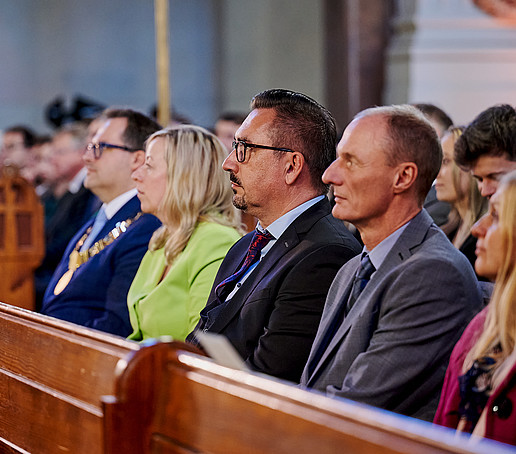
(17, 142)
(90, 284)
(269, 292)
(488, 147)
(226, 125)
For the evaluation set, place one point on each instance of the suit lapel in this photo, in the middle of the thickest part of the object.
(129, 210)
(287, 241)
(412, 236)
(341, 297)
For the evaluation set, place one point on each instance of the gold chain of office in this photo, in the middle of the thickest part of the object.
(78, 258)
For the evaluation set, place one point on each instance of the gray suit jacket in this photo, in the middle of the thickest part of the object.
(393, 347)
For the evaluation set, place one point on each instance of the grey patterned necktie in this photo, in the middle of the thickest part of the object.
(362, 278)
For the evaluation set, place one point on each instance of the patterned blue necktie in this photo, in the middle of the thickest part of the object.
(258, 242)
(362, 278)
(98, 224)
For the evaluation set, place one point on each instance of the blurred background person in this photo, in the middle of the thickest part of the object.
(225, 127)
(17, 142)
(459, 188)
(176, 118)
(182, 183)
(440, 120)
(75, 203)
(42, 175)
(480, 384)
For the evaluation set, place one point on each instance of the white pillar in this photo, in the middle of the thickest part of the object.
(452, 54)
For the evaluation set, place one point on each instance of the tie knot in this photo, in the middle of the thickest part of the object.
(260, 240)
(366, 268)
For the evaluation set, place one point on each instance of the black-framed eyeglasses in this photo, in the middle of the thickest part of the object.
(98, 148)
(241, 146)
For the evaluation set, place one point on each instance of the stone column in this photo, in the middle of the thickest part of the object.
(452, 54)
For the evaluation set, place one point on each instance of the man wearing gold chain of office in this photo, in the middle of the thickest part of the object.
(89, 286)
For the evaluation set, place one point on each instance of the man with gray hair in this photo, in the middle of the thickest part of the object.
(393, 313)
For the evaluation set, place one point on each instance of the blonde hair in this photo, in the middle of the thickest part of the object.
(197, 188)
(476, 203)
(500, 325)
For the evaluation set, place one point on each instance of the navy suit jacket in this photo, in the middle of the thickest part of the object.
(272, 319)
(393, 347)
(72, 211)
(97, 293)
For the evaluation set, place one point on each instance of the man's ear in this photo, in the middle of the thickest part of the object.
(137, 159)
(405, 177)
(293, 167)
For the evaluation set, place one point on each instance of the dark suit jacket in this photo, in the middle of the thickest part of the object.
(273, 318)
(72, 211)
(97, 294)
(467, 248)
(393, 347)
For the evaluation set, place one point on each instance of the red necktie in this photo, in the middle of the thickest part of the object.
(258, 242)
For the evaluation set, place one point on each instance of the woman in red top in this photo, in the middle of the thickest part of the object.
(479, 392)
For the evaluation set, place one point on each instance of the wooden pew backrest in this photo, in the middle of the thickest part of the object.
(22, 240)
(52, 376)
(201, 407)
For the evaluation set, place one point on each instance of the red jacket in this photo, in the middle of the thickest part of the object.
(501, 405)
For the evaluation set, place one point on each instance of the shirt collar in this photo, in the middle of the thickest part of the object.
(112, 207)
(380, 251)
(281, 224)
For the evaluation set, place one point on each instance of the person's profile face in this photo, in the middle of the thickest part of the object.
(362, 180)
(446, 182)
(256, 179)
(151, 177)
(488, 170)
(107, 175)
(13, 149)
(490, 249)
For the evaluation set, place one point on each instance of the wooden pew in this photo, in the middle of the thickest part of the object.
(52, 376)
(22, 240)
(159, 398)
(193, 405)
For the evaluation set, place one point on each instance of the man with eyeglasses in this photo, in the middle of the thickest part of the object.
(268, 295)
(89, 286)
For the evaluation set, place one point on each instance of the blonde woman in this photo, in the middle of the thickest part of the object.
(183, 184)
(460, 189)
(479, 393)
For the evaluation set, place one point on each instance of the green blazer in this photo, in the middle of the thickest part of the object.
(171, 307)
